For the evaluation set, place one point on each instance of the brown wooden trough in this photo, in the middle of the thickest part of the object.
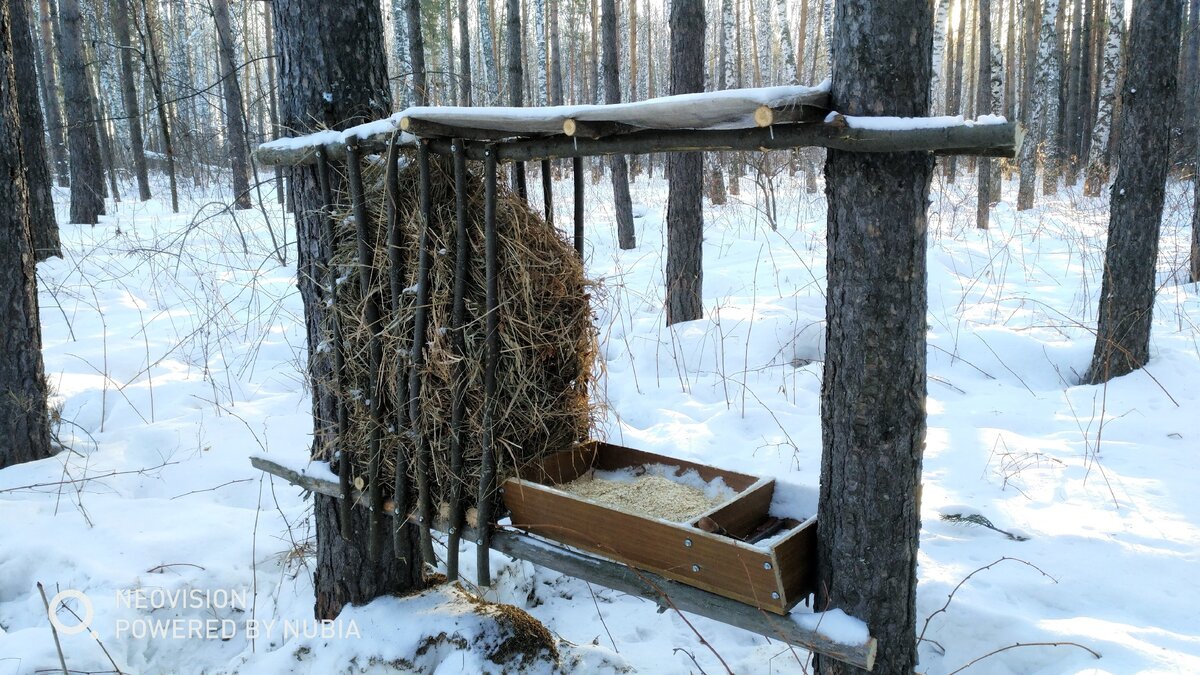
(709, 552)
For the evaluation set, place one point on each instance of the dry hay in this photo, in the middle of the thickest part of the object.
(646, 494)
(547, 340)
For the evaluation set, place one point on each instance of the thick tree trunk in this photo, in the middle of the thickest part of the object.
(941, 18)
(486, 36)
(556, 77)
(622, 204)
(792, 75)
(1135, 215)
(336, 48)
(87, 172)
(43, 227)
(133, 112)
(50, 91)
(24, 419)
(1097, 171)
(464, 54)
(416, 52)
(516, 82)
(235, 120)
(873, 391)
(1043, 115)
(685, 175)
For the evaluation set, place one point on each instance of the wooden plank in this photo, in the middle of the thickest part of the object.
(719, 564)
(310, 482)
(679, 597)
(665, 592)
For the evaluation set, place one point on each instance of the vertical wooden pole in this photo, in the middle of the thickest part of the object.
(458, 313)
(366, 280)
(339, 354)
(487, 482)
(577, 170)
(396, 274)
(424, 492)
(547, 191)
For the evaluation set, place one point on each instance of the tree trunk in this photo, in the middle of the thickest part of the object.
(516, 82)
(622, 204)
(464, 53)
(873, 391)
(153, 64)
(87, 173)
(685, 175)
(1097, 171)
(235, 121)
(24, 419)
(50, 91)
(340, 43)
(486, 37)
(43, 228)
(954, 89)
(785, 44)
(983, 104)
(539, 34)
(556, 77)
(1043, 115)
(941, 18)
(103, 133)
(1135, 214)
(1052, 130)
(416, 52)
(133, 112)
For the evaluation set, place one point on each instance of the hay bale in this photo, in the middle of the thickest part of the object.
(548, 342)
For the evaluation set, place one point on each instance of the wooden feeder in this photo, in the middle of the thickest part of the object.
(711, 551)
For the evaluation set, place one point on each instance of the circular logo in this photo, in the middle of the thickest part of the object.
(85, 605)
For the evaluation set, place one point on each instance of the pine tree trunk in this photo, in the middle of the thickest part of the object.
(626, 238)
(1097, 171)
(983, 104)
(50, 91)
(43, 228)
(464, 54)
(556, 76)
(1043, 117)
(342, 43)
(103, 134)
(153, 64)
(1135, 214)
(685, 175)
(133, 112)
(516, 82)
(873, 391)
(24, 419)
(416, 52)
(954, 92)
(235, 121)
(87, 173)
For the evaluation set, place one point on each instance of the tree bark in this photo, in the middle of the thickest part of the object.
(516, 82)
(50, 91)
(416, 52)
(983, 104)
(1097, 171)
(43, 227)
(685, 175)
(235, 120)
(153, 65)
(873, 388)
(622, 203)
(464, 54)
(133, 112)
(24, 419)
(333, 73)
(87, 174)
(1043, 115)
(487, 40)
(1136, 207)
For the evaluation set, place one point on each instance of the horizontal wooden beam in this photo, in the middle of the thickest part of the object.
(618, 576)
(427, 129)
(584, 129)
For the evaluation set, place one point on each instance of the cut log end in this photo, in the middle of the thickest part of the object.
(569, 127)
(764, 116)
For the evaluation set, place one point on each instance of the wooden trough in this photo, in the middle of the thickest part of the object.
(710, 551)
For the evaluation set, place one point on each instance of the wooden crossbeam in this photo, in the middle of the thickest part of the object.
(987, 140)
(664, 592)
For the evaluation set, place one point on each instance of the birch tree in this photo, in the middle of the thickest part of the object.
(1043, 117)
(937, 94)
(1097, 168)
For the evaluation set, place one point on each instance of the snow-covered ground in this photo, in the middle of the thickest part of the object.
(176, 351)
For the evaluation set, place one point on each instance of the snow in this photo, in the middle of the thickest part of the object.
(884, 123)
(175, 357)
(835, 625)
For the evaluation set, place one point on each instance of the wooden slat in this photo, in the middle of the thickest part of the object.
(739, 517)
(795, 560)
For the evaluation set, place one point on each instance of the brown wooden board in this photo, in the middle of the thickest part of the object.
(739, 517)
(796, 560)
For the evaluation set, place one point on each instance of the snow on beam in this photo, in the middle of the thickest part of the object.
(989, 137)
(830, 633)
